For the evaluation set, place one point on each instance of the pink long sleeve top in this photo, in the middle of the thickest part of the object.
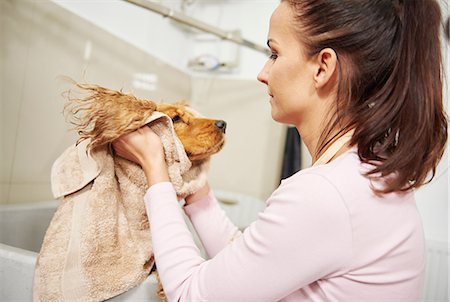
(324, 236)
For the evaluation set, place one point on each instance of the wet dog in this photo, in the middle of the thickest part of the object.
(102, 115)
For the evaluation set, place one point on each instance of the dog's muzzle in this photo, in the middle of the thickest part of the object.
(222, 125)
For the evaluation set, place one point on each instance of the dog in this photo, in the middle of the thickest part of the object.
(102, 115)
(105, 114)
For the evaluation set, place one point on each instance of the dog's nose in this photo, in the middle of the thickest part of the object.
(222, 125)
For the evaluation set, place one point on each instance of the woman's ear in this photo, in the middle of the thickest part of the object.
(326, 63)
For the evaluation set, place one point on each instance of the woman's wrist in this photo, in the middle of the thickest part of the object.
(155, 171)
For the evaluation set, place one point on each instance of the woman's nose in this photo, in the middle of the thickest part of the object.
(263, 75)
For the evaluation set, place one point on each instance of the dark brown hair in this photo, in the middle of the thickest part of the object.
(390, 82)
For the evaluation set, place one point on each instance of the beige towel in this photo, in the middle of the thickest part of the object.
(98, 243)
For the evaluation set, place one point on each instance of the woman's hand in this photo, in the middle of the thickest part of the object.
(145, 148)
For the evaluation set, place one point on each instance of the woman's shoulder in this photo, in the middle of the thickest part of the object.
(346, 176)
(318, 184)
(342, 179)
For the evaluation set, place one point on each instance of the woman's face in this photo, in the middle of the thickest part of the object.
(289, 76)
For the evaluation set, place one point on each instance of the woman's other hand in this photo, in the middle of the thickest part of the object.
(198, 195)
(145, 148)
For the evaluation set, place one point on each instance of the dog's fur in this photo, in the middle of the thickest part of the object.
(104, 115)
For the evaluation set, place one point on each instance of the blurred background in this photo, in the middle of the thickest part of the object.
(120, 45)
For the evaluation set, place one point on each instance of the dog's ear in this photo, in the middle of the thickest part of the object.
(102, 115)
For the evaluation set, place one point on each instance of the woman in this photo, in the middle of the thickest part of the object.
(361, 81)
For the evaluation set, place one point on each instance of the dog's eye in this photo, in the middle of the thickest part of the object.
(176, 118)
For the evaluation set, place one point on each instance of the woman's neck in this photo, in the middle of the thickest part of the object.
(311, 140)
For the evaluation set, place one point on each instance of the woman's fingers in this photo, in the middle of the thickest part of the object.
(122, 148)
(144, 147)
(140, 145)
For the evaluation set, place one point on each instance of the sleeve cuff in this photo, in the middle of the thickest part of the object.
(200, 205)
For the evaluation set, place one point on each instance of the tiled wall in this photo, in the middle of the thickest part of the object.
(40, 41)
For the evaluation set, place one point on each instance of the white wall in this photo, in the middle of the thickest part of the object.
(145, 30)
(176, 44)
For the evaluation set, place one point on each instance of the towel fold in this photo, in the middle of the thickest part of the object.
(98, 243)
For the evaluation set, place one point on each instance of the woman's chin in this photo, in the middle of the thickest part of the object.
(276, 117)
(282, 119)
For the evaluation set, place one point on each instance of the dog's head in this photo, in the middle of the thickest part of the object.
(104, 115)
(201, 137)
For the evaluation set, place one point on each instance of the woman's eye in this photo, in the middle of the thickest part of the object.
(176, 118)
(273, 56)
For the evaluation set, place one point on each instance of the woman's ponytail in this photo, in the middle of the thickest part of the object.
(417, 134)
